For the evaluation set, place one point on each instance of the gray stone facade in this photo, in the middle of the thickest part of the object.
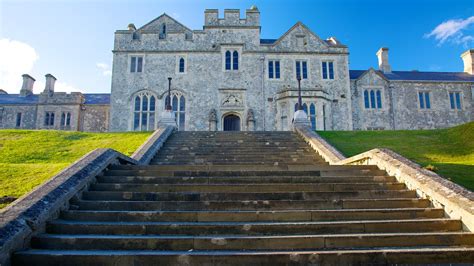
(212, 92)
(54, 110)
(226, 72)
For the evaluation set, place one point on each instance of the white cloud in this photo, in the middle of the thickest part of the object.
(16, 58)
(105, 69)
(453, 30)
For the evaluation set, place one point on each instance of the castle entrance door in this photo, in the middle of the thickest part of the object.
(231, 123)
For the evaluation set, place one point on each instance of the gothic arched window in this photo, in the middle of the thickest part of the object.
(144, 115)
(235, 60)
(181, 65)
(227, 60)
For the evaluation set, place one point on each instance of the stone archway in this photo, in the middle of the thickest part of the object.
(231, 123)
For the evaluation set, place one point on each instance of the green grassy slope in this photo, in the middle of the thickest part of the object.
(450, 150)
(29, 157)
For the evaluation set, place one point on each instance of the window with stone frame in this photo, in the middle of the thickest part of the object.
(231, 60)
(274, 69)
(424, 100)
(18, 119)
(328, 69)
(136, 64)
(144, 111)
(65, 120)
(181, 65)
(162, 34)
(373, 99)
(301, 69)
(455, 100)
(49, 119)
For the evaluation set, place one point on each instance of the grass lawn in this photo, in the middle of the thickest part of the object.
(450, 150)
(29, 157)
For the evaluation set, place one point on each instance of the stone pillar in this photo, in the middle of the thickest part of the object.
(167, 118)
(213, 120)
(300, 118)
(250, 120)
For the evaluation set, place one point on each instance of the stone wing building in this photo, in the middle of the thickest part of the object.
(226, 77)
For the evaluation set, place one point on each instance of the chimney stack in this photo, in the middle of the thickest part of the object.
(49, 88)
(27, 87)
(382, 55)
(131, 27)
(468, 59)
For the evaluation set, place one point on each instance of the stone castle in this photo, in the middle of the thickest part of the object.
(225, 77)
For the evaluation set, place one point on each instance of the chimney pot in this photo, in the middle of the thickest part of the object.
(382, 55)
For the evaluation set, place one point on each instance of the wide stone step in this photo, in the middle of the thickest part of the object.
(420, 255)
(247, 168)
(225, 242)
(184, 173)
(246, 180)
(203, 196)
(253, 216)
(269, 187)
(251, 205)
(228, 161)
(252, 228)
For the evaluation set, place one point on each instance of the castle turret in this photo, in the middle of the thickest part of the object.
(27, 87)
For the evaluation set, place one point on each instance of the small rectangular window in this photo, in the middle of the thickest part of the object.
(139, 64)
(136, 64)
(331, 70)
(133, 64)
(325, 70)
(18, 120)
(424, 100)
(328, 69)
(277, 69)
(301, 69)
(49, 119)
(451, 100)
(273, 69)
(270, 69)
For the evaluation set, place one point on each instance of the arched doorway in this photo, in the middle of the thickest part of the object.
(231, 123)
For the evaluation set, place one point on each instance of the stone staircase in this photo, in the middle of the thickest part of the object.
(247, 199)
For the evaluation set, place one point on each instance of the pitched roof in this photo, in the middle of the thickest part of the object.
(419, 75)
(90, 98)
(16, 99)
(267, 41)
(97, 98)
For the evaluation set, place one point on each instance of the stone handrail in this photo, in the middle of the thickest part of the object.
(144, 154)
(457, 201)
(28, 215)
(320, 145)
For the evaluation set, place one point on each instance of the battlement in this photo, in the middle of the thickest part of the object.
(61, 98)
(232, 18)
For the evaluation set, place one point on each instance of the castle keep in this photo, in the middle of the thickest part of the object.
(226, 77)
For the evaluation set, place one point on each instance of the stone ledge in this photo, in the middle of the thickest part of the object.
(145, 153)
(457, 201)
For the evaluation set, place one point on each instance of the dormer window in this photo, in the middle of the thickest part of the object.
(135, 36)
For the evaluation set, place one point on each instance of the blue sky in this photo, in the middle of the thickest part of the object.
(73, 39)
